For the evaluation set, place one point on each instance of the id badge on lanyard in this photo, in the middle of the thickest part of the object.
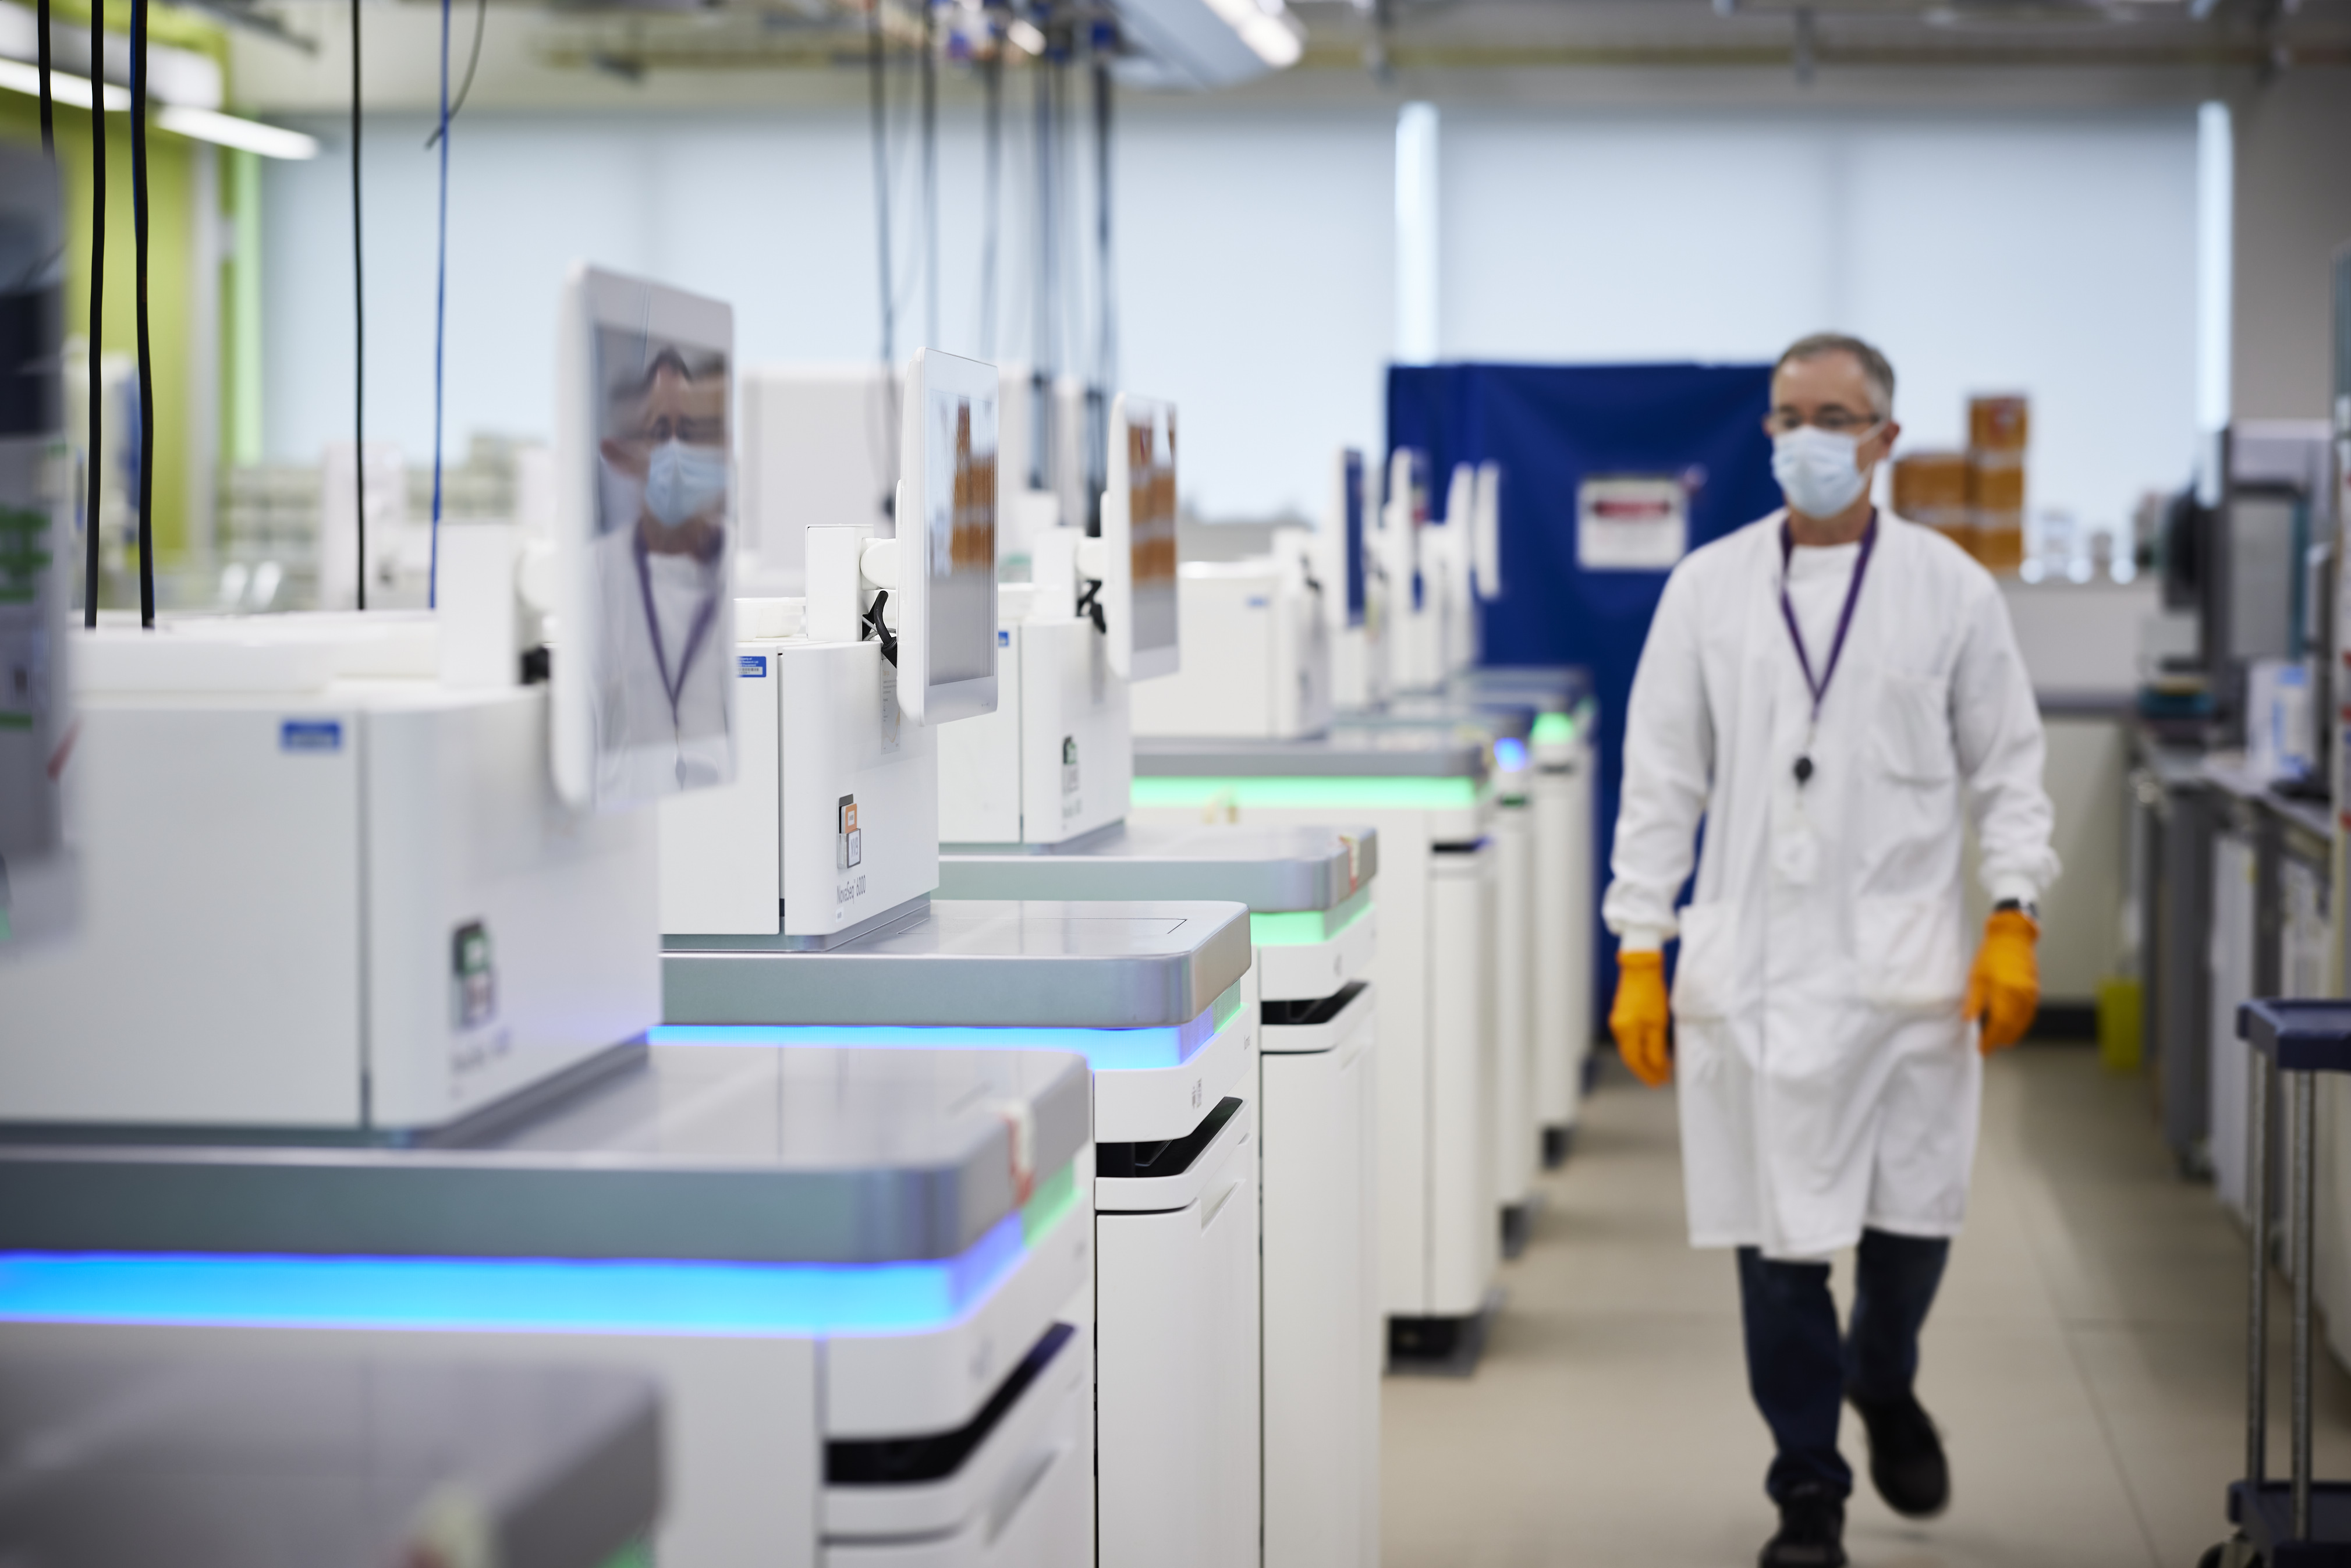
(1819, 687)
(1795, 846)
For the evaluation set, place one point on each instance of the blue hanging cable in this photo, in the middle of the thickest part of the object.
(440, 318)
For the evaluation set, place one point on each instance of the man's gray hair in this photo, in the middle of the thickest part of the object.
(1874, 368)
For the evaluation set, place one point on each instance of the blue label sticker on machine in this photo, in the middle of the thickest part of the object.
(751, 666)
(310, 735)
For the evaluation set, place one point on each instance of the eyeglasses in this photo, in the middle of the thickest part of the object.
(1834, 420)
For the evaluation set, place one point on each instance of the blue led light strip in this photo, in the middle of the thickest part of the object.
(1105, 1050)
(507, 1294)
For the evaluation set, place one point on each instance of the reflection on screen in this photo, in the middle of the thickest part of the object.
(654, 649)
(959, 536)
(1151, 513)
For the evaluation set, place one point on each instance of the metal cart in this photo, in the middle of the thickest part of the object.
(2299, 1523)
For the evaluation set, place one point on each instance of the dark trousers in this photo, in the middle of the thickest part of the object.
(1800, 1369)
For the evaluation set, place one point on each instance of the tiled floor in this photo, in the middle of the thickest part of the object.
(2086, 1361)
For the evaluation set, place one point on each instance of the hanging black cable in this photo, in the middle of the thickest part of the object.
(481, 17)
(138, 268)
(92, 462)
(49, 139)
(930, 177)
(992, 78)
(358, 324)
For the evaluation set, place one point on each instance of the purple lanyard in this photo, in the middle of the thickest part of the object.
(1820, 689)
(702, 618)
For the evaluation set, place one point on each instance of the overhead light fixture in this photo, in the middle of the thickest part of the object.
(2057, 14)
(73, 92)
(229, 131)
(1266, 28)
(1203, 45)
(202, 124)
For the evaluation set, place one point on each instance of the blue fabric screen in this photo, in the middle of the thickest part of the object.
(1549, 427)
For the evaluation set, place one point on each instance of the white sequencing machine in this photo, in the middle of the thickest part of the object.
(796, 909)
(1309, 892)
(1564, 737)
(1426, 792)
(1502, 729)
(1038, 793)
(1355, 597)
(849, 1270)
(1256, 635)
(381, 1085)
(1053, 762)
(1443, 568)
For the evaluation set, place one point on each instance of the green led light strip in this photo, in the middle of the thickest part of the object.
(1553, 727)
(1282, 792)
(1053, 1196)
(1305, 927)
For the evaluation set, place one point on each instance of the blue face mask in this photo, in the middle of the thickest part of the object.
(683, 482)
(1817, 470)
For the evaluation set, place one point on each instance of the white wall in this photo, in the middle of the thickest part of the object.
(1255, 263)
(1254, 287)
(2052, 255)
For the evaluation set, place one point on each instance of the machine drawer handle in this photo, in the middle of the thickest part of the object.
(1208, 1211)
(1020, 1488)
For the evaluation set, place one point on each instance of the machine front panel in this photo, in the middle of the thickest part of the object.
(861, 792)
(249, 1015)
(1227, 683)
(1077, 747)
(1463, 1241)
(1024, 1500)
(979, 760)
(1179, 1374)
(1166, 1102)
(1323, 1335)
(1290, 971)
(1515, 1127)
(510, 937)
(721, 857)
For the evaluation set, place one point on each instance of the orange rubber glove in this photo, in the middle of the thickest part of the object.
(1640, 1015)
(2004, 987)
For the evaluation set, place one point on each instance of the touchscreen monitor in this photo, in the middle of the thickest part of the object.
(642, 657)
(947, 539)
(1139, 538)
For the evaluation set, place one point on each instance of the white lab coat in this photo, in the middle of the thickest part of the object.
(1826, 1079)
(647, 746)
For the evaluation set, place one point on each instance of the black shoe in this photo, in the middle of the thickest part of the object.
(1812, 1534)
(1906, 1456)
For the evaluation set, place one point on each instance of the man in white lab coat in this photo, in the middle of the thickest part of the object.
(1828, 689)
